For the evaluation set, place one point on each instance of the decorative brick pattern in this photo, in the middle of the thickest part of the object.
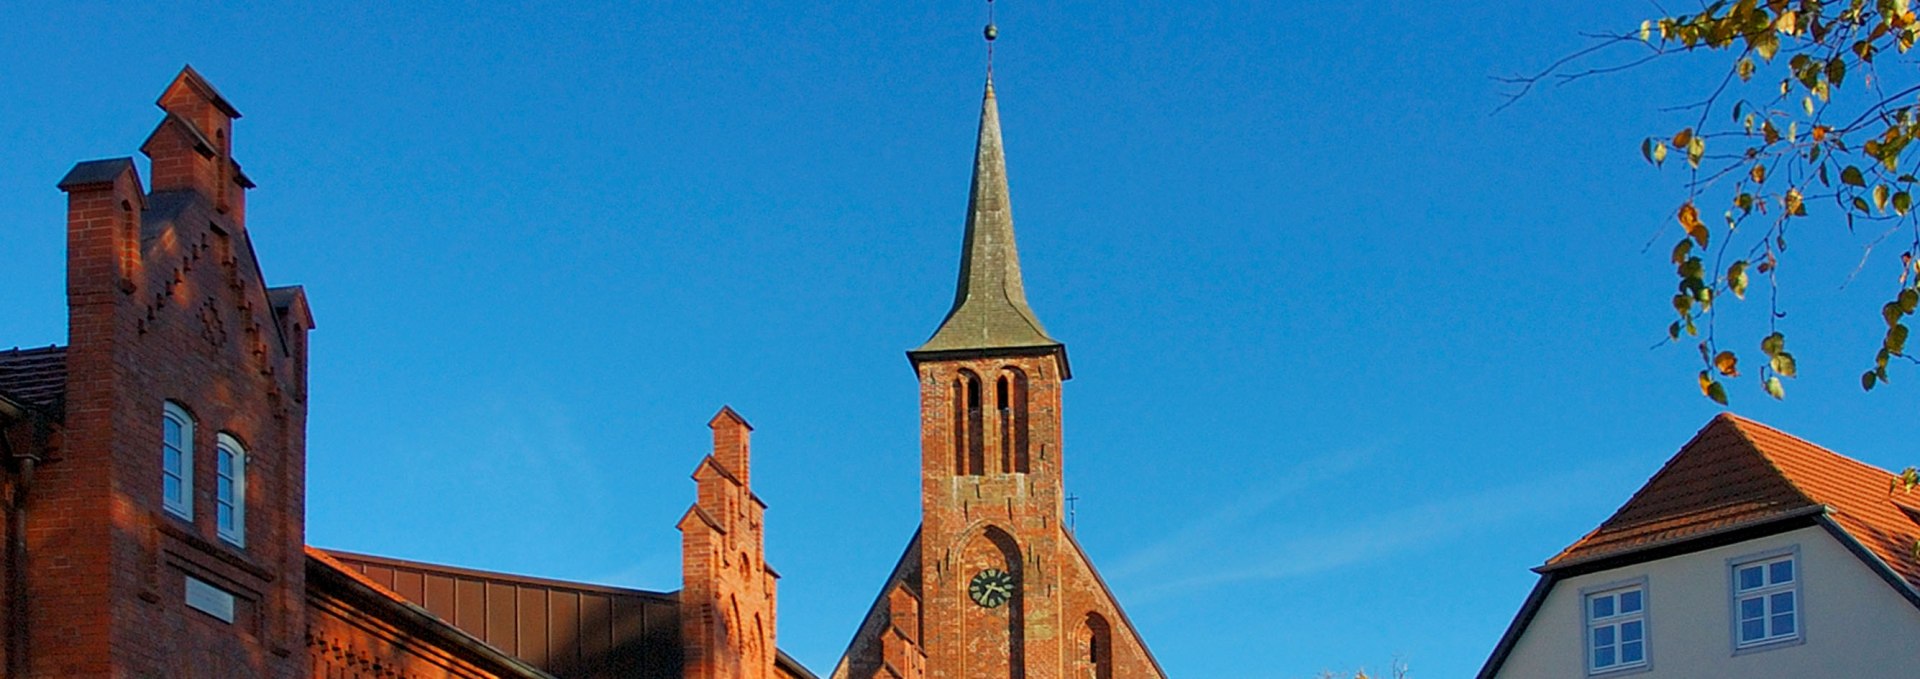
(160, 309)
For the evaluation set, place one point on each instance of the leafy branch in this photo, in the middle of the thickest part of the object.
(1786, 150)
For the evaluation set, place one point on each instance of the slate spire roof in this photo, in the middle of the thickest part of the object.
(990, 305)
(1737, 473)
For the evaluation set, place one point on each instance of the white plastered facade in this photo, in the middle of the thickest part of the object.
(1853, 623)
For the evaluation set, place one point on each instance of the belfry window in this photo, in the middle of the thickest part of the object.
(230, 490)
(969, 447)
(176, 460)
(1013, 422)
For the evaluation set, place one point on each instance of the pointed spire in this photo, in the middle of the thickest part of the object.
(990, 307)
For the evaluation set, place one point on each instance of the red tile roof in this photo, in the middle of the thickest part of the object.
(1737, 472)
(34, 377)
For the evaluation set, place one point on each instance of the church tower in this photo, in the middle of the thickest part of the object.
(990, 485)
(993, 586)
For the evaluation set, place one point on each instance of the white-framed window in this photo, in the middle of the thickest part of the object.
(1766, 600)
(230, 490)
(176, 460)
(1616, 628)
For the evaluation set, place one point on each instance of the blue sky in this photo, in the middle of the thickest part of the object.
(1351, 352)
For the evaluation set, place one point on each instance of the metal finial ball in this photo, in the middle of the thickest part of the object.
(992, 32)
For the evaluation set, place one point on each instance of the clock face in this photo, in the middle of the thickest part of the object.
(991, 587)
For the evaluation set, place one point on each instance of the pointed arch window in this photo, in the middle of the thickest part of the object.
(230, 490)
(970, 452)
(176, 460)
(1014, 435)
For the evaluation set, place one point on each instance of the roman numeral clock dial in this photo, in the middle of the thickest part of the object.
(991, 587)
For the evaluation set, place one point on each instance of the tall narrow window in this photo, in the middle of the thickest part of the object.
(176, 460)
(1766, 607)
(976, 444)
(1004, 410)
(1013, 416)
(1617, 629)
(959, 427)
(230, 490)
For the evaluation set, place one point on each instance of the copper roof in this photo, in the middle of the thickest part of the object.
(571, 630)
(34, 377)
(1737, 472)
(324, 573)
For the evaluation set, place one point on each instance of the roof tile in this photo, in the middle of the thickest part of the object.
(1740, 472)
(34, 377)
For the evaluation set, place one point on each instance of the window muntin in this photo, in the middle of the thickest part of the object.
(1616, 629)
(230, 490)
(176, 460)
(1766, 601)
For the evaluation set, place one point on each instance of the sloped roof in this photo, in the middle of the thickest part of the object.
(36, 378)
(328, 574)
(571, 630)
(1738, 479)
(1738, 472)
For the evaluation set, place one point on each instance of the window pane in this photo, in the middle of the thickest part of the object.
(223, 490)
(224, 462)
(1632, 652)
(1753, 630)
(1631, 631)
(1783, 602)
(1603, 636)
(1629, 601)
(170, 459)
(171, 486)
(1783, 625)
(170, 431)
(1753, 608)
(225, 515)
(1603, 657)
(1602, 606)
(1780, 572)
(1750, 577)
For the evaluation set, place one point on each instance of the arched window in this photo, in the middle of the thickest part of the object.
(176, 460)
(959, 401)
(969, 447)
(1095, 650)
(230, 490)
(1013, 421)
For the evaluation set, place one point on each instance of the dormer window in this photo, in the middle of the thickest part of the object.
(176, 461)
(230, 491)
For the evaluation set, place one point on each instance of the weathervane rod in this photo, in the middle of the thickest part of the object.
(993, 33)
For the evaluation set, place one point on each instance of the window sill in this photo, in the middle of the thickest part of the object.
(1621, 670)
(220, 549)
(1764, 646)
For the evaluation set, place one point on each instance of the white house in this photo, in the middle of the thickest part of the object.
(1751, 554)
